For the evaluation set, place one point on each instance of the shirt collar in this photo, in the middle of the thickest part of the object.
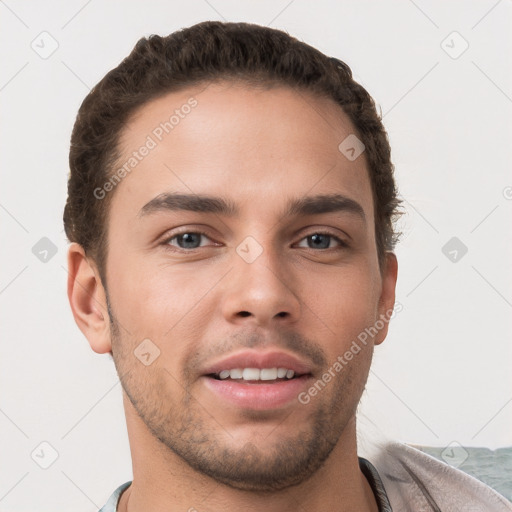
(376, 484)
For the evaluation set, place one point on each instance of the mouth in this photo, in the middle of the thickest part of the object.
(257, 381)
(257, 394)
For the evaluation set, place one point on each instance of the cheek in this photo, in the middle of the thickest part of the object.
(162, 305)
(345, 300)
(161, 300)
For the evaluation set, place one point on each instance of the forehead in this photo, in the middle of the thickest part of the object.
(235, 140)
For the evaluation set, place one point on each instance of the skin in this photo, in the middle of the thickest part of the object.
(190, 448)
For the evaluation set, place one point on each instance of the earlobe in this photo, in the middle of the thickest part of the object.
(88, 300)
(387, 298)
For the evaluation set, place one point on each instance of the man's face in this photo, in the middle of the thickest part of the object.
(264, 287)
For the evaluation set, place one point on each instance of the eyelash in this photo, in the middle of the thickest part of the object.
(165, 243)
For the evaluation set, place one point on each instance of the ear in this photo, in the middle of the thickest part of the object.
(387, 297)
(87, 299)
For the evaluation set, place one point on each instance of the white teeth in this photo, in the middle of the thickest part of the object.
(268, 374)
(257, 374)
(251, 374)
(236, 373)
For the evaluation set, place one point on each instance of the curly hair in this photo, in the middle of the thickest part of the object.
(203, 53)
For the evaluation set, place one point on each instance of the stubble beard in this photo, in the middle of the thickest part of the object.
(290, 455)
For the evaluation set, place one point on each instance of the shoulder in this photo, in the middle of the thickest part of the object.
(416, 481)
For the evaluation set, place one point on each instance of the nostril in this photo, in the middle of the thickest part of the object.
(244, 313)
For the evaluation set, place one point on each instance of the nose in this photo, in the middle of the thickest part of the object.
(261, 292)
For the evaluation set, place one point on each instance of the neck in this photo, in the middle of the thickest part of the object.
(162, 481)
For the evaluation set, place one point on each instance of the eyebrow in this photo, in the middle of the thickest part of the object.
(309, 205)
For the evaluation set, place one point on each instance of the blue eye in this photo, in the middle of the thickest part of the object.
(187, 240)
(322, 241)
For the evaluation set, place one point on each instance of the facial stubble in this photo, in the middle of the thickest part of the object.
(289, 455)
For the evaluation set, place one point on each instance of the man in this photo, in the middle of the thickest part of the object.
(231, 206)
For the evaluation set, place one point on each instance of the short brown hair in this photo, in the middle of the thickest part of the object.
(203, 53)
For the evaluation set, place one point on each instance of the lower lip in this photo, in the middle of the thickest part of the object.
(258, 395)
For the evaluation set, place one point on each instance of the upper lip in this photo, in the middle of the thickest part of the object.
(254, 359)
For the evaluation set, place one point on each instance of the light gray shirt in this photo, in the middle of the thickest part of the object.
(404, 479)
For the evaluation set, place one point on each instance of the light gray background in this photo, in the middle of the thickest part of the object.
(443, 374)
